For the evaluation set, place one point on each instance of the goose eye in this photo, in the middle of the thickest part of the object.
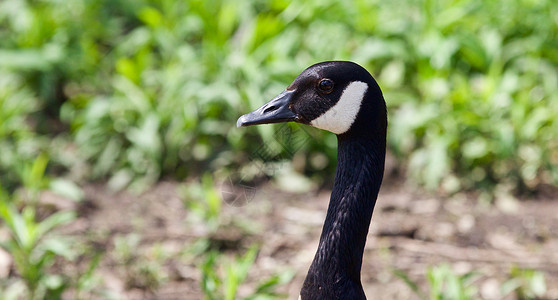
(325, 85)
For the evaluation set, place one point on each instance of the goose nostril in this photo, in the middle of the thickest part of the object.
(270, 109)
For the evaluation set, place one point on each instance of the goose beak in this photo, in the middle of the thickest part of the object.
(275, 111)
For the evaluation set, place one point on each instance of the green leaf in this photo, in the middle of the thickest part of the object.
(151, 16)
(55, 220)
(67, 188)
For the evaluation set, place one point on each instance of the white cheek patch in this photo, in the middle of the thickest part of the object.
(342, 115)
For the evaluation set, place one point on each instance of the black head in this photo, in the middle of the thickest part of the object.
(338, 96)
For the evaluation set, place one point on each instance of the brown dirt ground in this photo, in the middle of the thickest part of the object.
(410, 231)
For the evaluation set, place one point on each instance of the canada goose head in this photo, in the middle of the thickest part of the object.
(338, 96)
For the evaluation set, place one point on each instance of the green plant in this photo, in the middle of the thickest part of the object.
(88, 280)
(17, 140)
(446, 284)
(525, 283)
(465, 91)
(221, 277)
(470, 104)
(47, 43)
(33, 249)
(153, 88)
(31, 243)
(143, 267)
(443, 283)
(221, 274)
(204, 202)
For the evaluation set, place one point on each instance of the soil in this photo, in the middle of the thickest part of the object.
(411, 231)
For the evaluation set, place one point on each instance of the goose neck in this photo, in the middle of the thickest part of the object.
(338, 261)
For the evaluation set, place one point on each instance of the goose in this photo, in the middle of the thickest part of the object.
(343, 98)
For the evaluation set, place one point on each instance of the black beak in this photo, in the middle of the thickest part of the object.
(274, 111)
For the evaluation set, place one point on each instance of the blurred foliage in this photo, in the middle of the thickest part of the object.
(222, 277)
(526, 283)
(445, 283)
(33, 245)
(32, 253)
(18, 142)
(143, 269)
(133, 90)
(203, 202)
(222, 274)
